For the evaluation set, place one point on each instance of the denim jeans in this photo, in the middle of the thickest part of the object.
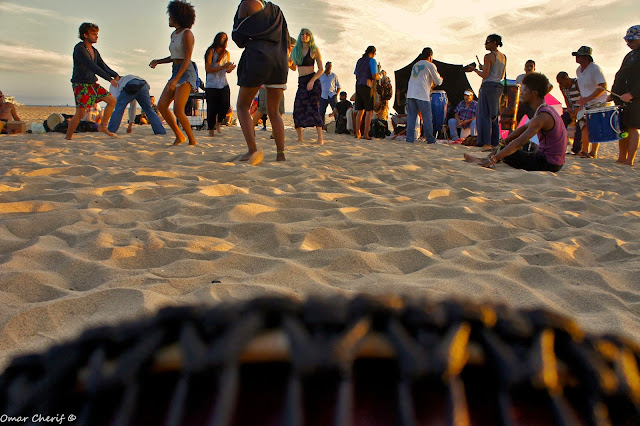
(324, 103)
(453, 128)
(427, 122)
(488, 111)
(143, 98)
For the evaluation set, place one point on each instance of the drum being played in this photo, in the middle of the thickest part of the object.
(603, 124)
(509, 102)
(439, 102)
(341, 361)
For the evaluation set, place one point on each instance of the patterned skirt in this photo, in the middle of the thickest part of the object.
(305, 107)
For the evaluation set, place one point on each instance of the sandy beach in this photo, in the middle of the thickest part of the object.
(97, 230)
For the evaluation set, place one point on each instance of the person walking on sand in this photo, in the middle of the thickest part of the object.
(546, 124)
(261, 30)
(306, 108)
(87, 62)
(182, 16)
(366, 73)
(492, 72)
(627, 84)
(217, 64)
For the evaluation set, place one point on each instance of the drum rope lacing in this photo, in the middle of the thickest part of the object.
(430, 341)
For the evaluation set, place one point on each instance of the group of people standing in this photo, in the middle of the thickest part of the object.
(587, 90)
(260, 28)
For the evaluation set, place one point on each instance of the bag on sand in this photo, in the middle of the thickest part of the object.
(470, 141)
(379, 129)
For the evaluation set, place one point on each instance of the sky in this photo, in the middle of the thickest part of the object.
(37, 37)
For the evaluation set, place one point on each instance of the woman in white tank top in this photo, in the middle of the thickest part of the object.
(492, 73)
(182, 15)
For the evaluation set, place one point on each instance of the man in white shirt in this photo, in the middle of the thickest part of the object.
(424, 75)
(592, 85)
(330, 89)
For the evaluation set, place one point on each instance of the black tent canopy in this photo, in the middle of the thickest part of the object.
(454, 83)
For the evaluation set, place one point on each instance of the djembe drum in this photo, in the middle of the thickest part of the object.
(509, 102)
(361, 361)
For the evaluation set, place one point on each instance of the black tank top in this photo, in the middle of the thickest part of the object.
(307, 61)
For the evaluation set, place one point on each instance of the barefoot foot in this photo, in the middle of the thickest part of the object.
(104, 129)
(179, 139)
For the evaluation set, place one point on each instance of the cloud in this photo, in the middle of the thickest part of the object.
(34, 12)
(25, 59)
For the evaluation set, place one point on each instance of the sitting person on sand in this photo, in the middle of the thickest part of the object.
(87, 62)
(261, 30)
(7, 110)
(546, 124)
(340, 112)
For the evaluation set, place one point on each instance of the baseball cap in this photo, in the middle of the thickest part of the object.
(468, 92)
(583, 51)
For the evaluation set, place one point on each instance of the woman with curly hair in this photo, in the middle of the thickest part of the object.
(306, 111)
(217, 64)
(182, 15)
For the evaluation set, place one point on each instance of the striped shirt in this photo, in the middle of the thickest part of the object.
(571, 95)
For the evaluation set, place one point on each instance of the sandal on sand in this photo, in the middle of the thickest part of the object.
(584, 155)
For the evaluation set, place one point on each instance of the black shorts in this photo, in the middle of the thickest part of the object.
(630, 116)
(364, 98)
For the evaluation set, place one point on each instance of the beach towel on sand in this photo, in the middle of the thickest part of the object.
(265, 39)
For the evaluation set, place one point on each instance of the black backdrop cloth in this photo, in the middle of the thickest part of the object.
(454, 84)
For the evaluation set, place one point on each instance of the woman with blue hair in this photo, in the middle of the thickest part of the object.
(303, 57)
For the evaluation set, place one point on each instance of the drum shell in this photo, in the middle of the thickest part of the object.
(509, 102)
(439, 102)
(603, 124)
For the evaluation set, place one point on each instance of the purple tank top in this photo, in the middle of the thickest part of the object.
(553, 143)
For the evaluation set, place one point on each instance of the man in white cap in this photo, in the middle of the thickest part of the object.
(465, 116)
(592, 85)
(627, 85)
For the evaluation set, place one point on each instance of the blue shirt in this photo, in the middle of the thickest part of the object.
(330, 85)
(366, 67)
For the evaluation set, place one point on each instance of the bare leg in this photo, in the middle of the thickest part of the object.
(623, 148)
(358, 123)
(180, 100)
(471, 159)
(299, 132)
(367, 124)
(130, 128)
(245, 98)
(163, 106)
(320, 136)
(633, 146)
(218, 128)
(75, 120)
(594, 150)
(585, 142)
(111, 104)
(277, 124)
